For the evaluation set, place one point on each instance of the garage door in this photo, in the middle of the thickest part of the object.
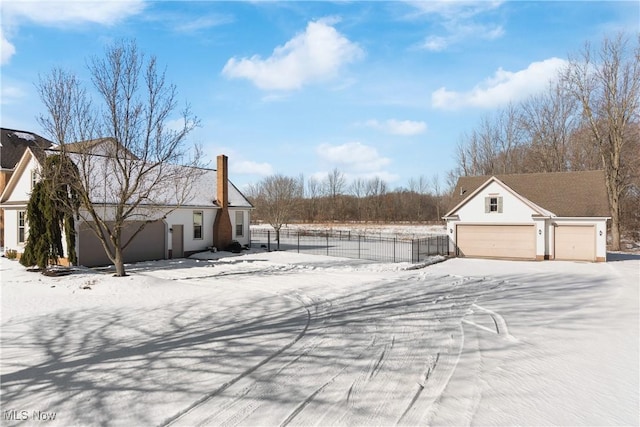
(148, 245)
(496, 241)
(575, 242)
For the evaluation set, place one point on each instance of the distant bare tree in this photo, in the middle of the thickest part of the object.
(313, 194)
(550, 121)
(335, 185)
(606, 83)
(144, 169)
(509, 139)
(357, 188)
(437, 193)
(276, 197)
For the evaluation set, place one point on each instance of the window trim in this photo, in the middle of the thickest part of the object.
(240, 224)
(493, 204)
(22, 226)
(490, 207)
(34, 178)
(197, 226)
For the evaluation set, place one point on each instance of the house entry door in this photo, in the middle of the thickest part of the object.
(177, 241)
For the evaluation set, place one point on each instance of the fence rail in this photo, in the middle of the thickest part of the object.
(350, 245)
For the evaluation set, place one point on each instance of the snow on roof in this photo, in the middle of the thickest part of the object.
(25, 135)
(162, 185)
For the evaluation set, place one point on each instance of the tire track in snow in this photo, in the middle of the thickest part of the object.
(381, 398)
(207, 397)
(409, 329)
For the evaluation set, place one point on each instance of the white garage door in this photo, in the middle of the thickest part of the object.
(575, 242)
(497, 241)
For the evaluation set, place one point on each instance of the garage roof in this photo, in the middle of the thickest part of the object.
(568, 194)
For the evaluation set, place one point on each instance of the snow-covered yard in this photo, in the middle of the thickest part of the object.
(283, 338)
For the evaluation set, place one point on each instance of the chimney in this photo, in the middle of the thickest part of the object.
(222, 235)
(223, 179)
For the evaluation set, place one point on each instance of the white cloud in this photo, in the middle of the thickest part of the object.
(55, 13)
(62, 14)
(502, 88)
(201, 23)
(11, 92)
(459, 33)
(247, 167)
(398, 127)
(7, 50)
(354, 156)
(315, 55)
(455, 9)
(459, 20)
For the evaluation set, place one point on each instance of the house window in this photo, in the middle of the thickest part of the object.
(493, 204)
(239, 224)
(34, 178)
(197, 224)
(21, 226)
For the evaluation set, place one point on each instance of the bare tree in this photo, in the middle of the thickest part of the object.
(606, 83)
(144, 169)
(277, 200)
(313, 193)
(334, 184)
(550, 120)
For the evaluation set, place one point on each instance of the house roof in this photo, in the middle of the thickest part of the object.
(567, 194)
(13, 144)
(100, 146)
(104, 185)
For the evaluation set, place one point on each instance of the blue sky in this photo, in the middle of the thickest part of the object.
(372, 88)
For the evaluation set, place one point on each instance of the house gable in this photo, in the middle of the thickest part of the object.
(18, 189)
(567, 194)
(509, 205)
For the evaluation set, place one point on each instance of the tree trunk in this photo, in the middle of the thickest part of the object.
(614, 204)
(119, 262)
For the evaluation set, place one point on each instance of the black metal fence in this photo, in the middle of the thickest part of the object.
(349, 245)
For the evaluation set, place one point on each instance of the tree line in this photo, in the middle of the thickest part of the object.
(587, 119)
(280, 199)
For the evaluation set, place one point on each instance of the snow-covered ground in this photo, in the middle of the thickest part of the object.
(284, 338)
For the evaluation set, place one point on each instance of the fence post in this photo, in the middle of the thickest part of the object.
(394, 249)
(413, 250)
(359, 236)
(268, 241)
(298, 241)
(327, 243)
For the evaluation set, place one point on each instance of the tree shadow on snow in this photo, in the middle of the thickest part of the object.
(147, 366)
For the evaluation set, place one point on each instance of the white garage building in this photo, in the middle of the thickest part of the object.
(536, 216)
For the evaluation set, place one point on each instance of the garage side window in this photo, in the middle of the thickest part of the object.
(197, 224)
(493, 204)
(21, 226)
(239, 223)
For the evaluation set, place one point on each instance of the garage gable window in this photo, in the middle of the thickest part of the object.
(197, 224)
(493, 204)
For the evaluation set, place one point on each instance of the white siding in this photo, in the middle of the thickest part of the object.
(184, 216)
(11, 230)
(22, 190)
(244, 239)
(514, 210)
